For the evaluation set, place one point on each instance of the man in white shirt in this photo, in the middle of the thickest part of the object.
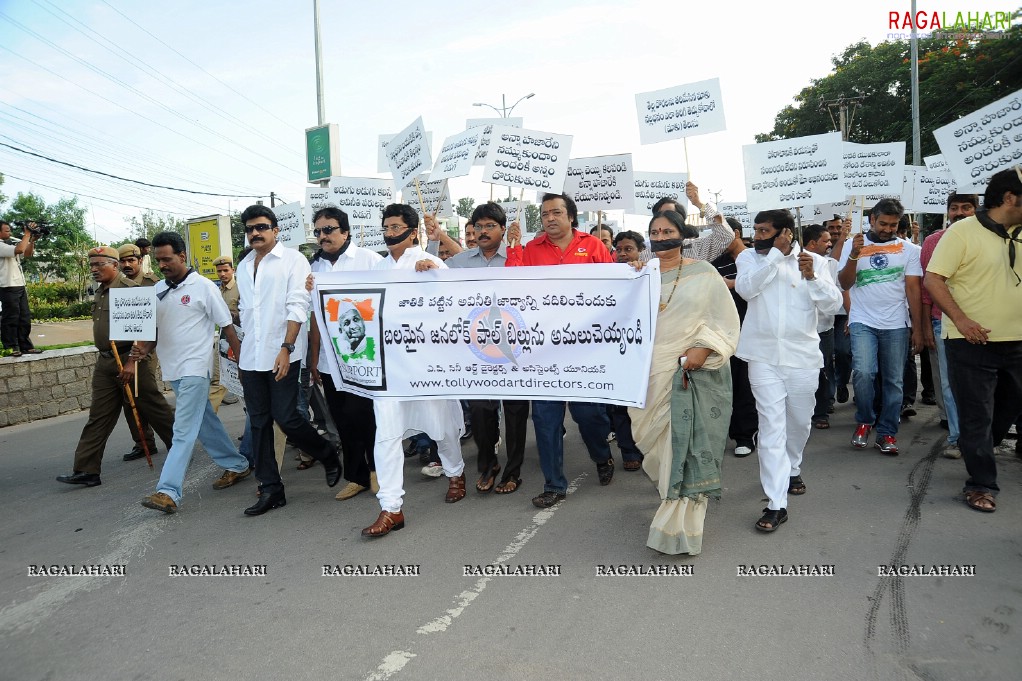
(882, 275)
(787, 289)
(15, 319)
(189, 307)
(441, 420)
(352, 414)
(274, 307)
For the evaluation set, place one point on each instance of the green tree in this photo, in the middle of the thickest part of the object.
(465, 206)
(151, 224)
(532, 222)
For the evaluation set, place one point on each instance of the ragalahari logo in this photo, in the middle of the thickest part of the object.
(929, 20)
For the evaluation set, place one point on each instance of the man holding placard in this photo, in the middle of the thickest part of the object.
(700, 248)
(561, 243)
(107, 388)
(189, 309)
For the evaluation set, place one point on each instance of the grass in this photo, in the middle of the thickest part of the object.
(61, 346)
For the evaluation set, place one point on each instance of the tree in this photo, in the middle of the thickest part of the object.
(153, 223)
(465, 206)
(532, 222)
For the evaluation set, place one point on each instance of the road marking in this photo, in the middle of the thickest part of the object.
(391, 665)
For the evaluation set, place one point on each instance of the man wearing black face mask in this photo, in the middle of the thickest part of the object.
(882, 274)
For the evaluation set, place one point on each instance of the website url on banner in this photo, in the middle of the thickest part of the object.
(511, 383)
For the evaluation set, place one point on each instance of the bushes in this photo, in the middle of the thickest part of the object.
(57, 300)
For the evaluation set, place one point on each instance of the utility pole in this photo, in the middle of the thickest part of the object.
(845, 119)
(914, 75)
(320, 103)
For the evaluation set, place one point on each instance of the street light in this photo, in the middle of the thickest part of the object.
(504, 110)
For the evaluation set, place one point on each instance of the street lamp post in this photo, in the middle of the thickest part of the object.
(505, 110)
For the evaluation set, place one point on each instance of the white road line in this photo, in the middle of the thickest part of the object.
(396, 661)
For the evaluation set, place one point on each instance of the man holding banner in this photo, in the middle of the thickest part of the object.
(562, 244)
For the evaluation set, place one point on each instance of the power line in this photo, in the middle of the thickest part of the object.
(89, 196)
(125, 179)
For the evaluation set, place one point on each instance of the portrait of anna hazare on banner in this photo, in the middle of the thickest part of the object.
(353, 327)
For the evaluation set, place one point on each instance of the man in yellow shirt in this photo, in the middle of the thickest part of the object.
(975, 276)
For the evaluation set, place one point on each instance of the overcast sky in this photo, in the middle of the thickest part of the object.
(214, 96)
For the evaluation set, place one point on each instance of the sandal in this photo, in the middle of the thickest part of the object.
(981, 501)
(306, 465)
(771, 519)
(487, 480)
(821, 425)
(796, 486)
(508, 486)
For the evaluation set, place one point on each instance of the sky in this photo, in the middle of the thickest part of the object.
(214, 96)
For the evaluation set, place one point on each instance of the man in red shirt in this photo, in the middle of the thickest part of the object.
(561, 243)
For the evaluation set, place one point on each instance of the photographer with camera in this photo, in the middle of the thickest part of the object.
(15, 319)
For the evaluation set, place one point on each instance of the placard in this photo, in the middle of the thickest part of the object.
(487, 125)
(291, 222)
(529, 159)
(408, 154)
(511, 211)
(931, 191)
(651, 187)
(456, 155)
(682, 111)
(382, 164)
(739, 210)
(230, 378)
(874, 169)
(433, 203)
(985, 142)
(316, 198)
(133, 313)
(936, 163)
(363, 199)
(795, 172)
(908, 188)
(601, 182)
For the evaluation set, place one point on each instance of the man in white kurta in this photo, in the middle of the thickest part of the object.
(787, 289)
(441, 420)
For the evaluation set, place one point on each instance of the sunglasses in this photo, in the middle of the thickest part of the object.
(262, 227)
(324, 230)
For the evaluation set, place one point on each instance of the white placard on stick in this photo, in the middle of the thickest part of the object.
(456, 155)
(363, 199)
(739, 210)
(874, 168)
(908, 188)
(408, 154)
(983, 143)
(511, 211)
(487, 125)
(433, 203)
(529, 159)
(601, 182)
(230, 377)
(316, 198)
(651, 187)
(133, 314)
(682, 111)
(382, 164)
(936, 163)
(291, 222)
(795, 172)
(932, 188)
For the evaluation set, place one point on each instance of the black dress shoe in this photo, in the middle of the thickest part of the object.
(333, 470)
(76, 478)
(139, 453)
(267, 502)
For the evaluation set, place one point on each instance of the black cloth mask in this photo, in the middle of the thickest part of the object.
(395, 240)
(665, 244)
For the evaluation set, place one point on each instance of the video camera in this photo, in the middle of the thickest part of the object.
(41, 229)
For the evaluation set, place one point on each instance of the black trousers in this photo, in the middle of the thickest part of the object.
(15, 320)
(744, 417)
(269, 400)
(355, 420)
(486, 430)
(621, 422)
(986, 381)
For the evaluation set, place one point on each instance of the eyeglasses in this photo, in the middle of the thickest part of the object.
(261, 227)
(324, 230)
(487, 226)
(392, 229)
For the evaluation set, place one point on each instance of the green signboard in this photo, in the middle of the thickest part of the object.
(322, 152)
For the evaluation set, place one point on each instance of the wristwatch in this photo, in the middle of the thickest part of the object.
(290, 347)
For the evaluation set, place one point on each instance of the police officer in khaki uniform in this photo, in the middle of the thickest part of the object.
(107, 391)
(131, 268)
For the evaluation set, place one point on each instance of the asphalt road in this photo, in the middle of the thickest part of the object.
(862, 511)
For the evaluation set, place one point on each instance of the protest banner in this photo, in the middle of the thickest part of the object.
(363, 199)
(529, 159)
(291, 221)
(874, 168)
(795, 172)
(983, 143)
(682, 111)
(573, 332)
(487, 125)
(229, 376)
(316, 198)
(456, 155)
(601, 182)
(932, 187)
(739, 210)
(382, 164)
(436, 198)
(408, 154)
(132, 314)
(651, 187)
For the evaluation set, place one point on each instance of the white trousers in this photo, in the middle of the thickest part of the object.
(785, 399)
(390, 467)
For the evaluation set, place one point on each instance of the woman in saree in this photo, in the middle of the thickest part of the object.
(683, 429)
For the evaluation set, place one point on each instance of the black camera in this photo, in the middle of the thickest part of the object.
(41, 229)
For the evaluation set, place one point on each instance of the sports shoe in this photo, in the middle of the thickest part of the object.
(952, 452)
(743, 450)
(350, 490)
(160, 502)
(432, 470)
(231, 478)
(861, 437)
(887, 445)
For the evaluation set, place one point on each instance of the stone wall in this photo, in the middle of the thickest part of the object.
(34, 387)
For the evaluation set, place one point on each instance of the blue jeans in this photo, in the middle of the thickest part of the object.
(194, 418)
(886, 349)
(950, 410)
(548, 422)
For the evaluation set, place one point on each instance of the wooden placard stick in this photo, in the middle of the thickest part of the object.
(440, 200)
(422, 242)
(521, 223)
(862, 211)
(688, 168)
(131, 402)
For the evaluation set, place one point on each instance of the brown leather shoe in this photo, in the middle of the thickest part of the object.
(160, 502)
(455, 489)
(231, 478)
(386, 522)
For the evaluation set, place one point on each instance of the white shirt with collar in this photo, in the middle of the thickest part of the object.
(10, 266)
(354, 259)
(185, 319)
(408, 259)
(271, 296)
(780, 326)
